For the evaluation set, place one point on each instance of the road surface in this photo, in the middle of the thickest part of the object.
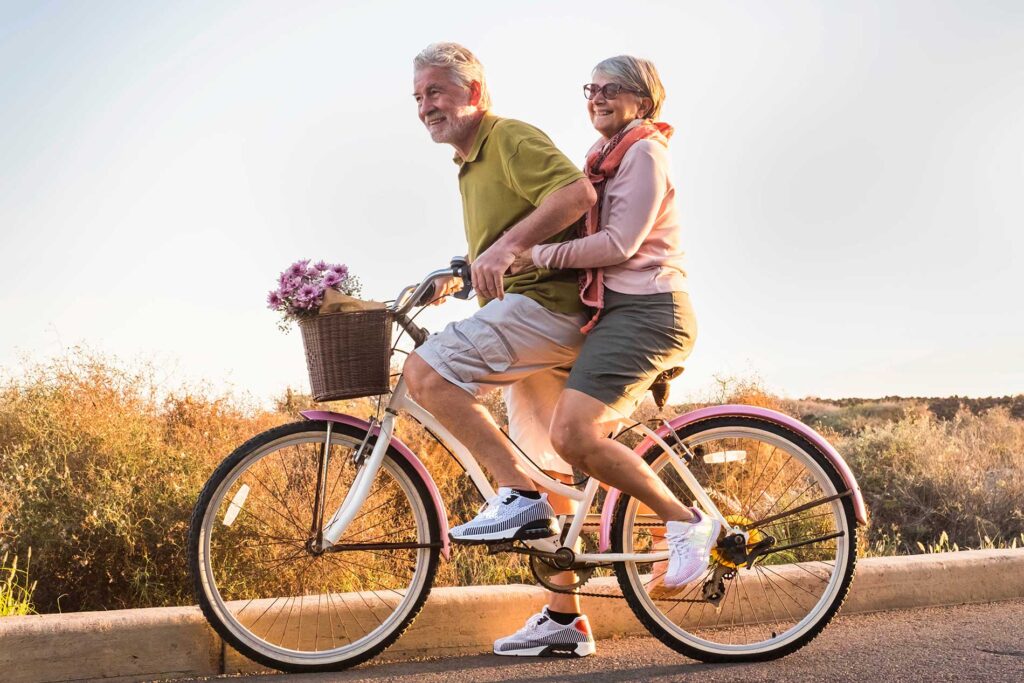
(964, 643)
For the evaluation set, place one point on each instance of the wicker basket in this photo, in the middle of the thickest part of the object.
(348, 354)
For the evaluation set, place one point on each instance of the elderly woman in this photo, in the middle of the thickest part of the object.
(632, 275)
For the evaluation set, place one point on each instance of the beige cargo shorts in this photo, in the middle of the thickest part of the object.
(517, 345)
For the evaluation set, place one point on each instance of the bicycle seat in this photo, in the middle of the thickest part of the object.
(659, 388)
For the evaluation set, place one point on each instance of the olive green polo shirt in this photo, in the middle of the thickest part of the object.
(510, 169)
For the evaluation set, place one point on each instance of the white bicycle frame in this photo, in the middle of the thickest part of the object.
(401, 401)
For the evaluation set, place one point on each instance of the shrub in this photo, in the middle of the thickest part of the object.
(100, 466)
(99, 474)
(928, 477)
(854, 418)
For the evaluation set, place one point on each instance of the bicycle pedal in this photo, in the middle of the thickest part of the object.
(499, 547)
(536, 531)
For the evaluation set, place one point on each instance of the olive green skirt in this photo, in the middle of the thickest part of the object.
(637, 337)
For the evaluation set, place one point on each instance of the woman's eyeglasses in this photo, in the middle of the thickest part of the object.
(609, 90)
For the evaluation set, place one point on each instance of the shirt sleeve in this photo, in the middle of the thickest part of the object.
(535, 168)
(629, 209)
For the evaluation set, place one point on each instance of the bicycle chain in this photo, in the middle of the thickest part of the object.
(586, 594)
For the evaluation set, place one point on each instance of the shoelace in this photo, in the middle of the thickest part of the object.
(491, 507)
(531, 624)
(681, 544)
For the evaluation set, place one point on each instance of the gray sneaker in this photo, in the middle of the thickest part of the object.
(509, 516)
(542, 636)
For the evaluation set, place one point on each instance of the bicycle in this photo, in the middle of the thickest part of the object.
(314, 545)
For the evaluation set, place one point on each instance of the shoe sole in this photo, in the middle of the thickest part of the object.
(712, 539)
(531, 531)
(567, 650)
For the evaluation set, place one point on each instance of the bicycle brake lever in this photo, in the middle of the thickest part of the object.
(427, 297)
(460, 267)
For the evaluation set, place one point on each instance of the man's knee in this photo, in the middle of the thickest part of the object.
(420, 377)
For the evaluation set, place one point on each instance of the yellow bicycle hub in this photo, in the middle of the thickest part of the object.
(754, 536)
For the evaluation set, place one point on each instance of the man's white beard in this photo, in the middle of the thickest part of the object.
(452, 130)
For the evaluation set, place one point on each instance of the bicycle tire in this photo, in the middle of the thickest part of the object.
(412, 492)
(782, 643)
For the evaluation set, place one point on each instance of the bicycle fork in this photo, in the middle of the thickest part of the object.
(327, 535)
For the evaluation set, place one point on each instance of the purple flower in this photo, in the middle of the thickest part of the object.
(309, 293)
(289, 285)
(298, 269)
(301, 287)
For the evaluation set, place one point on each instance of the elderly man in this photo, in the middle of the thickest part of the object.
(518, 190)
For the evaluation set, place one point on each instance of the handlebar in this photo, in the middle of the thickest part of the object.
(423, 293)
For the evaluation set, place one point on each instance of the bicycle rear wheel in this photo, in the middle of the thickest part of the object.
(782, 497)
(261, 582)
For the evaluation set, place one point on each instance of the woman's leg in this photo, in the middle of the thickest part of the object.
(579, 433)
(531, 407)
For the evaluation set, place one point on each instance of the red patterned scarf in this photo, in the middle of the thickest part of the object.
(603, 164)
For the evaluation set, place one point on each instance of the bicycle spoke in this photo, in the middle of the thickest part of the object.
(776, 590)
(791, 583)
(252, 514)
(767, 600)
(776, 495)
(289, 598)
(279, 497)
(748, 503)
(363, 566)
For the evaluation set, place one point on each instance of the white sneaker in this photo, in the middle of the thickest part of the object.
(542, 636)
(656, 585)
(509, 516)
(689, 548)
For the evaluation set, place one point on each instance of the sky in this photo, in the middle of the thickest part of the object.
(850, 176)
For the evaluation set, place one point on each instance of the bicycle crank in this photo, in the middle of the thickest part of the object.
(544, 570)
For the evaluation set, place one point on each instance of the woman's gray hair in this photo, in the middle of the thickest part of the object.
(636, 73)
(460, 62)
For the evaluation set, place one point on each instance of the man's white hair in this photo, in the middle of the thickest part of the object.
(460, 63)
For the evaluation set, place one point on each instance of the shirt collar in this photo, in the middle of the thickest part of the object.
(486, 124)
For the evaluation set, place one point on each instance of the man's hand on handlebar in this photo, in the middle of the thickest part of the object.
(489, 271)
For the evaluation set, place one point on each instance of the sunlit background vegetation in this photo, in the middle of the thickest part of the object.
(101, 463)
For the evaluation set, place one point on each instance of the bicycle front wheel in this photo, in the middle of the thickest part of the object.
(261, 580)
(786, 506)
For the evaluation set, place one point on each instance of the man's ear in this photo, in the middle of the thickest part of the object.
(475, 93)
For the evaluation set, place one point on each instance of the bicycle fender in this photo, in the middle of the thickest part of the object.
(403, 451)
(775, 417)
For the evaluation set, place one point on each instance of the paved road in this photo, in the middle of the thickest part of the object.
(964, 643)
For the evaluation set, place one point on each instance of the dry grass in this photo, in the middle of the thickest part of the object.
(98, 475)
(926, 477)
(100, 467)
